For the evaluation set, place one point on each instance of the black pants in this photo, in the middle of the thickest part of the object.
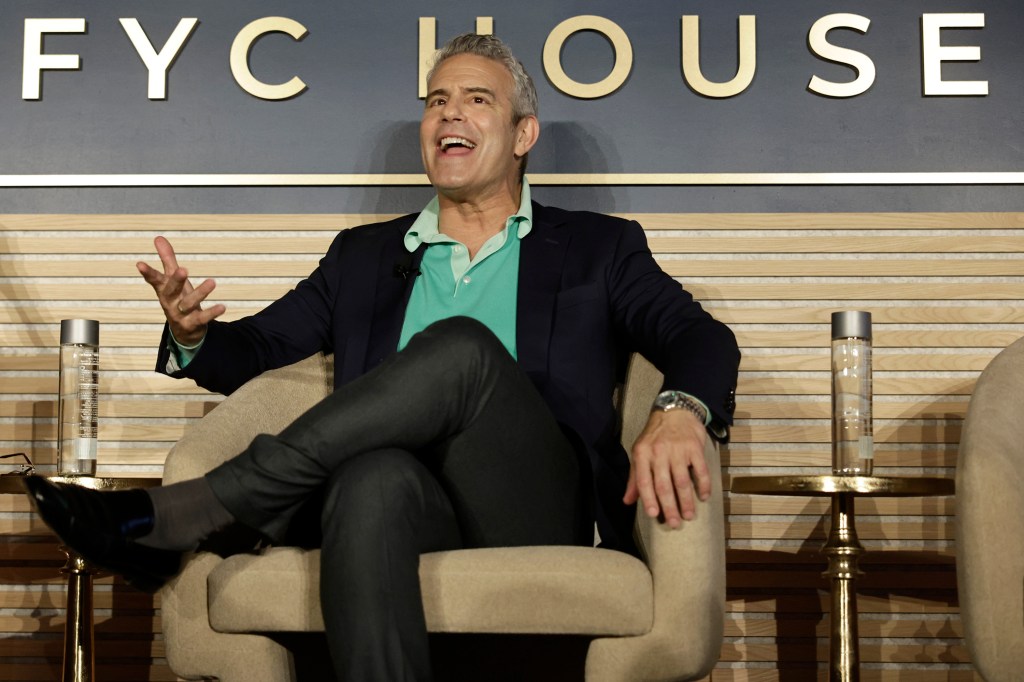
(447, 444)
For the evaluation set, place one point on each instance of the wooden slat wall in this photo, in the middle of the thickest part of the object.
(945, 291)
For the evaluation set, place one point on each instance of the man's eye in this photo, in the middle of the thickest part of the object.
(436, 102)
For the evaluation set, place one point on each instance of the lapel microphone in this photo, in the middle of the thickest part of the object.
(405, 269)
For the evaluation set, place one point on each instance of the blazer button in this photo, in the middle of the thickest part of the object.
(730, 401)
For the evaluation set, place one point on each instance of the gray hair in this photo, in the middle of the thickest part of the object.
(524, 94)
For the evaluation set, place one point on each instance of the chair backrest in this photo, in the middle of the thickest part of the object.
(990, 518)
(265, 404)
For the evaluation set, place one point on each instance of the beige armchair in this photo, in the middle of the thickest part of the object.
(990, 519)
(658, 619)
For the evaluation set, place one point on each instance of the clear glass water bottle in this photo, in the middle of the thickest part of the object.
(853, 442)
(79, 393)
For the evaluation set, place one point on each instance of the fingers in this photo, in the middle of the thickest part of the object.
(671, 506)
(643, 475)
(683, 490)
(188, 299)
(181, 303)
(173, 279)
(166, 253)
(174, 285)
(669, 472)
(152, 277)
(699, 468)
(188, 320)
(211, 313)
(670, 491)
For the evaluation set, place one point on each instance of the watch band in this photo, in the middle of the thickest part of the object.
(677, 400)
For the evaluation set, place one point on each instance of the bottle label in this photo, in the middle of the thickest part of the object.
(85, 448)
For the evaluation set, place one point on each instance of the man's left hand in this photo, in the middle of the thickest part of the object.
(669, 449)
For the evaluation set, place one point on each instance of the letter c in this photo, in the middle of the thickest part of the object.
(240, 58)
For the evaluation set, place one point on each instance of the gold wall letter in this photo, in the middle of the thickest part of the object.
(747, 58)
(934, 53)
(620, 45)
(240, 58)
(34, 61)
(158, 63)
(428, 45)
(817, 38)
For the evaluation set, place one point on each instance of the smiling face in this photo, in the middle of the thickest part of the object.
(470, 147)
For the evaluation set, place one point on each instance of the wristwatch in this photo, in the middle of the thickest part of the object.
(677, 400)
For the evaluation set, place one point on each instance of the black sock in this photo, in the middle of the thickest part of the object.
(185, 513)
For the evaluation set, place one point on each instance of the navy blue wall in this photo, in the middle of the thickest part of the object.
(360, 111)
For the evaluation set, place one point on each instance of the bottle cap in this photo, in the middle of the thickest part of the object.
(851, 324)
(80, 331)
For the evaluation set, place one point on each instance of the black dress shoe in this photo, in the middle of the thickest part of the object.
(102, 526)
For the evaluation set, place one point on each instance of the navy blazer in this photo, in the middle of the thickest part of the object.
(590, 293)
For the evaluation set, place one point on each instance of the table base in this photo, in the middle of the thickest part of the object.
(842, 547)
(843, 550)
(79, 663)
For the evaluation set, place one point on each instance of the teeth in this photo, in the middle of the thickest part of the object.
(447, 142)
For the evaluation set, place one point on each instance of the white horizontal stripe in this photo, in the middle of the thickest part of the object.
(419, 179)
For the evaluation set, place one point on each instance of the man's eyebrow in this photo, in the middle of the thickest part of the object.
(476, 89)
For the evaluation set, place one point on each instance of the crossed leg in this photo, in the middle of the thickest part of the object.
(447, 444)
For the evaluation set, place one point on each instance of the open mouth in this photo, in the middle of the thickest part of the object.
(451, 142)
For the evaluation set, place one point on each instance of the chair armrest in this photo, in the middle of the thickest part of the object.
(195, 651)
(265, 404)
(687, 565)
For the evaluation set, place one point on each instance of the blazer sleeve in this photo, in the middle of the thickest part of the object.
(288, 330)
(696, 353)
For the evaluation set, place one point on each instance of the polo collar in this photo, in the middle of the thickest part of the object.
(424, 229)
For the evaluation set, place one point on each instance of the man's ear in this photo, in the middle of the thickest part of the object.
(527, 132)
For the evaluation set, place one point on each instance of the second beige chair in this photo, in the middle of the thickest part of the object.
(656, 619)
(990, 519)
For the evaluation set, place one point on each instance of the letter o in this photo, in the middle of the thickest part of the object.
(610, 30)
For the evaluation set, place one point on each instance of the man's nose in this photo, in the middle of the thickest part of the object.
(451, 111)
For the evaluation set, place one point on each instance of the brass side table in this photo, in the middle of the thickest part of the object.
(79, 661)
(842, 547)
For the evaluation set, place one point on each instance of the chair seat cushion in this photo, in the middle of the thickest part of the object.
(553, 590)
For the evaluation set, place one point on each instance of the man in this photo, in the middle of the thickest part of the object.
(492, 425)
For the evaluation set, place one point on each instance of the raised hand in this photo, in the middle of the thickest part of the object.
(182, 303)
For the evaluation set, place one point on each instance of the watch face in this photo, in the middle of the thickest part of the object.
(667, 399)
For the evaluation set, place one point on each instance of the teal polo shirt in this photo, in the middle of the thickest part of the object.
(484, 288)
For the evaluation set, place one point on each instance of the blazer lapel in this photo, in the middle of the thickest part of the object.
(541, 255)
(396, 274)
